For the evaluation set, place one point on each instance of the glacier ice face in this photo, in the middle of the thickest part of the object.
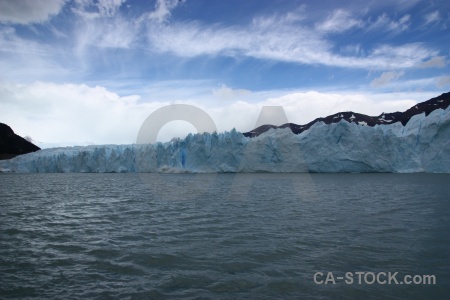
(423, 145)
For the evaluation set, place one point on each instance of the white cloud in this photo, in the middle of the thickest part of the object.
(109, 7)
(29, 11)
(339, 21)
(383, 22)
(24, 58)
(162, 10)
(115, 33)
(400, 57)
(105, 27)
(60, 113)
(89, 9)
(432, 17)
(386, 78)
(102, 26)
(276, 38)
(303, 107)
(51, 112)
(279, 40)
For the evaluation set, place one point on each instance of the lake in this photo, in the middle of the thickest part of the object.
(224, 236)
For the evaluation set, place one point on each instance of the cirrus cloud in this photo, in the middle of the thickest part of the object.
(340, 20)
(278, 40)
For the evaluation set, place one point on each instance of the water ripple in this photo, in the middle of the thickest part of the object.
(103, 236)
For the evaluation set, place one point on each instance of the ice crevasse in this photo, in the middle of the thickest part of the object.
(422, 145)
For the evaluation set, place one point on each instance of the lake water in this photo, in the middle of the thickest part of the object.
(222, 236)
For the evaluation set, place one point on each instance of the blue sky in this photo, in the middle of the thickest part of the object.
(87, 71)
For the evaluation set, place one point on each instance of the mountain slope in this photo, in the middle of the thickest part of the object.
(442, 101)
(12, 145)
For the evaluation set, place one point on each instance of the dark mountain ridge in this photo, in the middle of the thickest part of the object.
(12, 145)
(442, 101)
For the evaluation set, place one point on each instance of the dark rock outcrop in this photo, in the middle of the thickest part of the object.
(12, 145)
(442, 101)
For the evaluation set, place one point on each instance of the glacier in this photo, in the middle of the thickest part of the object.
(422, 145)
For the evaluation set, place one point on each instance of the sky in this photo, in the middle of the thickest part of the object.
(90, 72)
